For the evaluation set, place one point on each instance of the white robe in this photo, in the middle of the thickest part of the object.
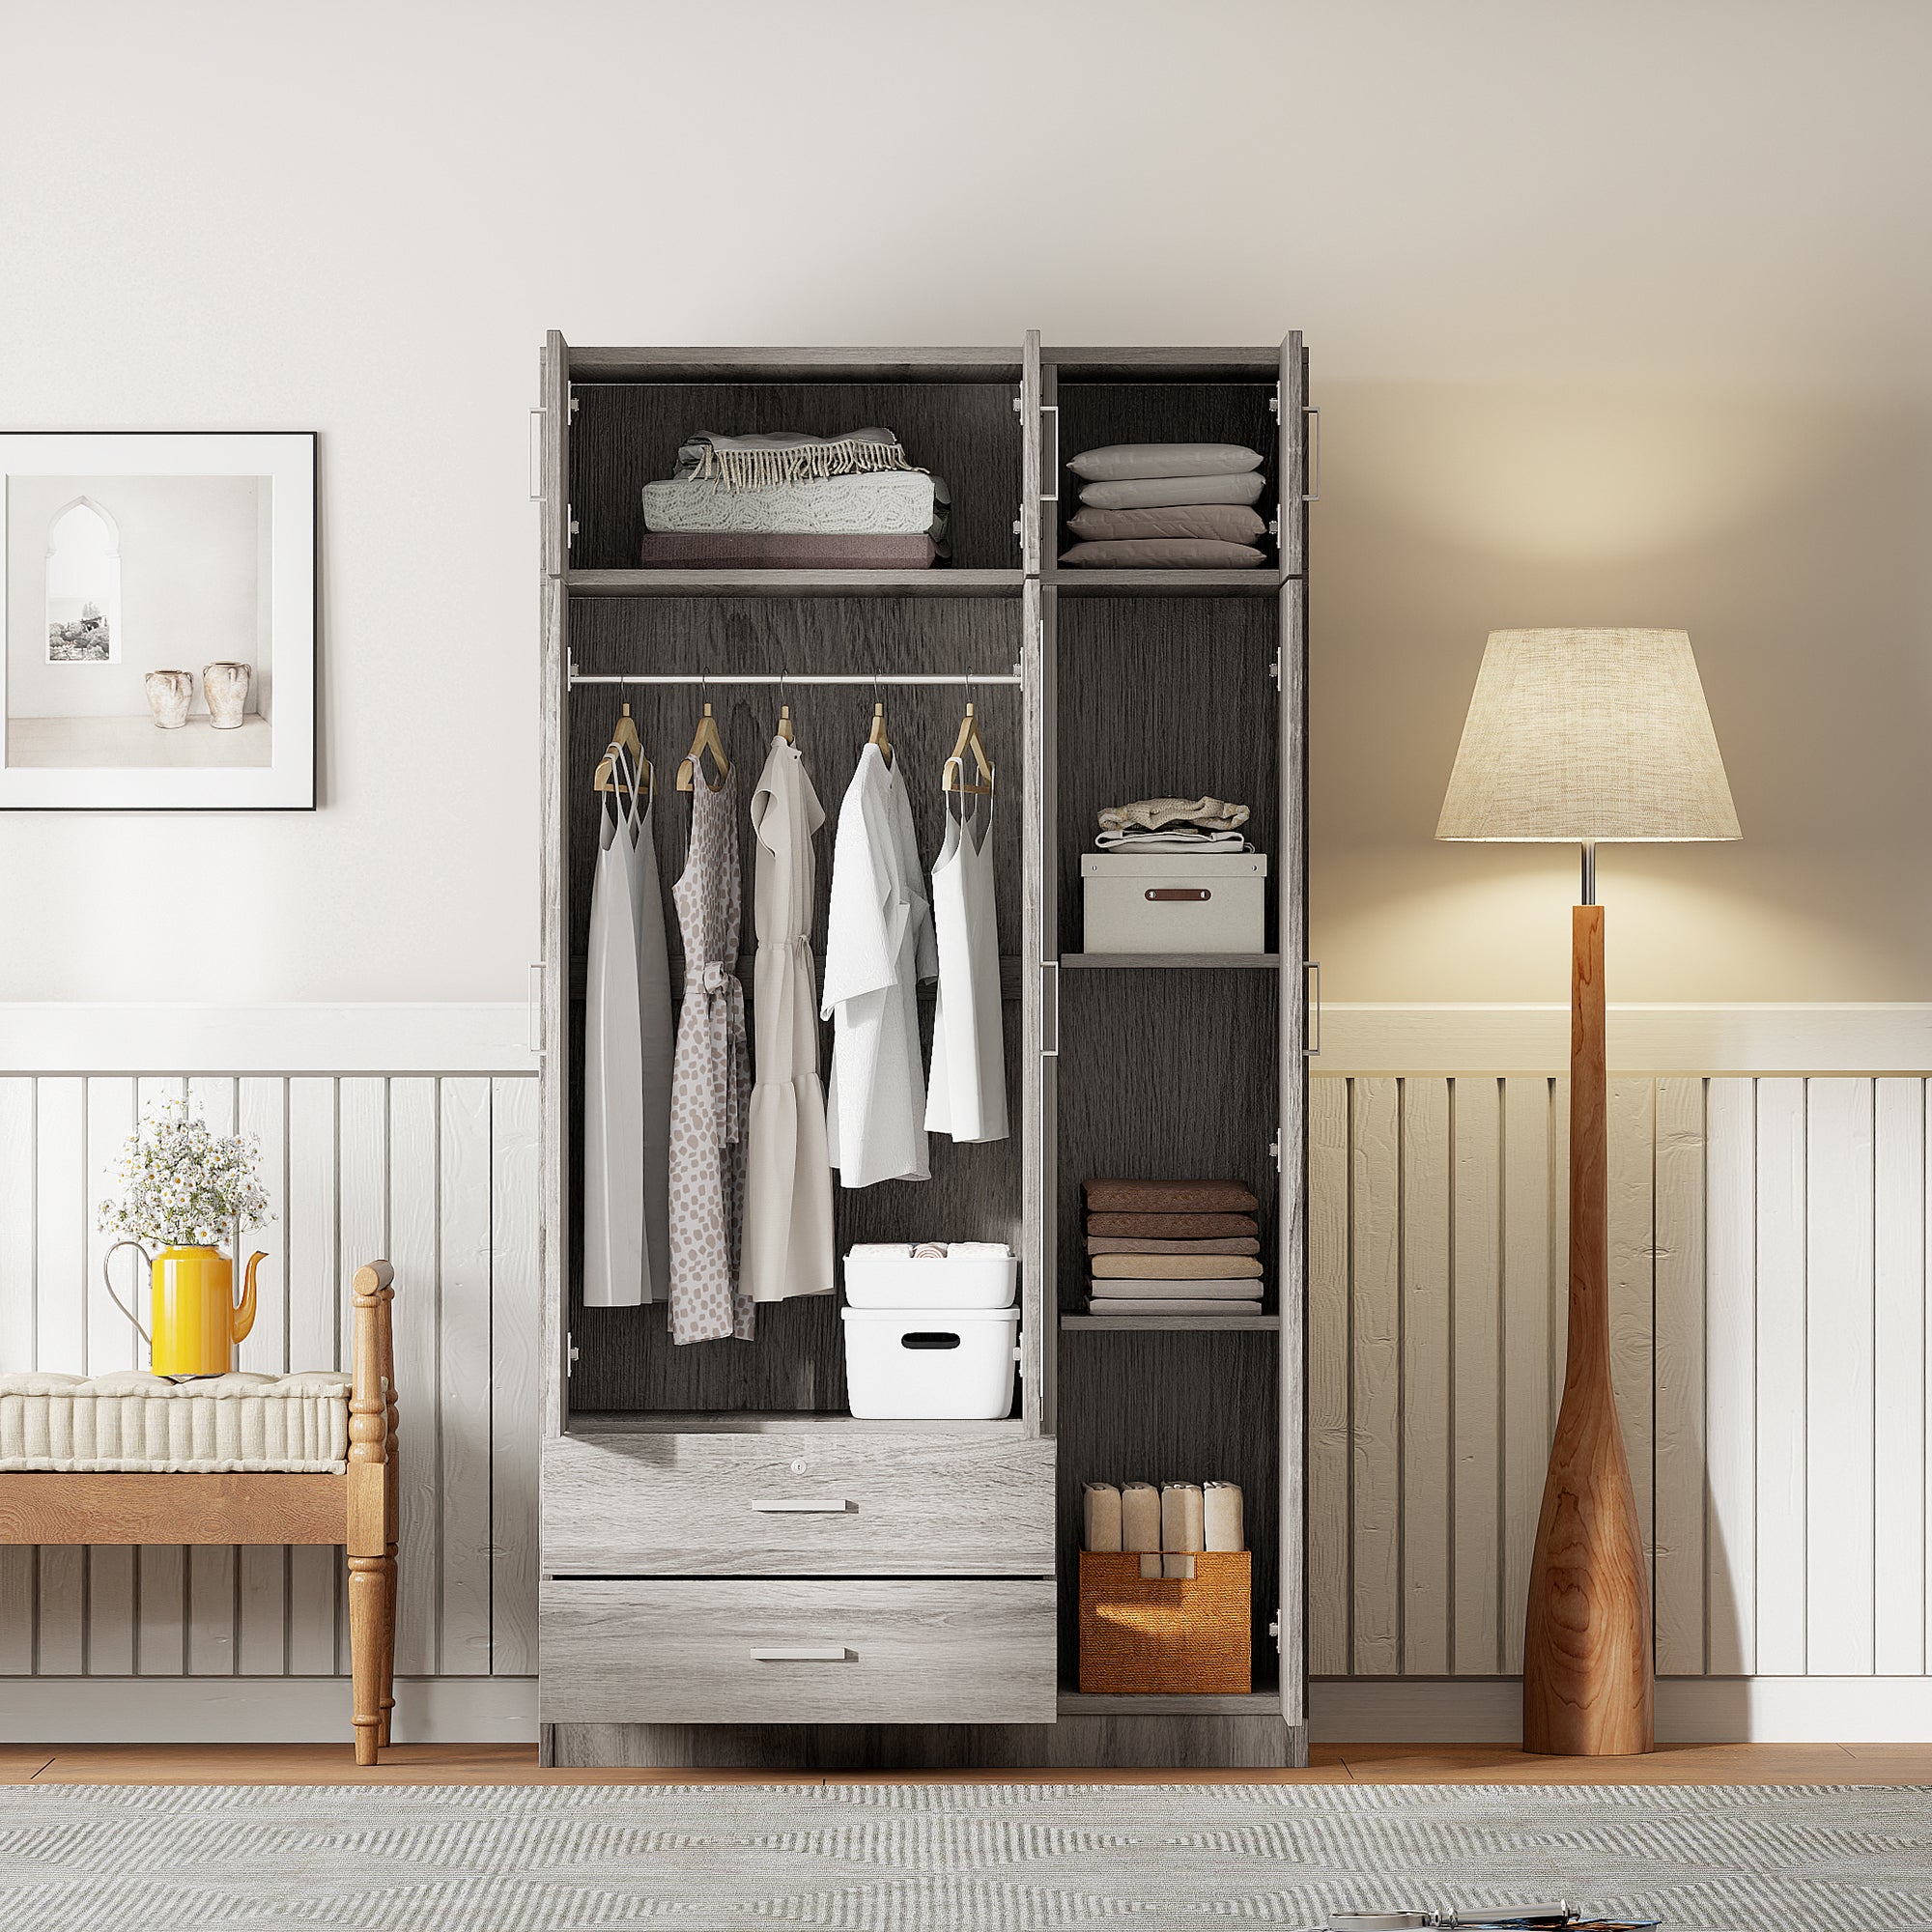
(878, 944)
(967, 1097)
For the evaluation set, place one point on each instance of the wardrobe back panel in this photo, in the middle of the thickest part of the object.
(627, 434)
(1157, 698)
(1173, 1407)
(626, 1360)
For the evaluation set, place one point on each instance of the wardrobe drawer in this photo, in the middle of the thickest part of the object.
(788, 1652)
(805, 1501)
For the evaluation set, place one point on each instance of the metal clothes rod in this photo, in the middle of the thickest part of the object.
(578, 677)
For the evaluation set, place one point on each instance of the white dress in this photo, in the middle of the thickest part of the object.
(878, 944)
(626, 1064)
(789, 1243)
(967, 1097)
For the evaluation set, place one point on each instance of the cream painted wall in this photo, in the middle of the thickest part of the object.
(1618, 315)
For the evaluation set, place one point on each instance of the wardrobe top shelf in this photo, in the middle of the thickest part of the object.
(945, 583)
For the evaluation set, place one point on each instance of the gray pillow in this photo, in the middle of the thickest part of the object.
(1226, 522)
(1163, 554)
(1120, 461)
(1157, 491)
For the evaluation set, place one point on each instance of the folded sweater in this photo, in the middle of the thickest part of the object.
(1179, 1304)
(1169, 1197)
(1174, 1268)
(1182, 1227)
(1140, 1244)
(1115, 1287)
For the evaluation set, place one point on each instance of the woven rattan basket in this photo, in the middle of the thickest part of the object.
(1172, 1634)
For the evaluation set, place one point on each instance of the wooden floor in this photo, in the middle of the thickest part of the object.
(1333, 1763)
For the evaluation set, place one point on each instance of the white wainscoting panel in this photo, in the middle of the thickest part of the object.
(1768, 1250)
(437, 1171)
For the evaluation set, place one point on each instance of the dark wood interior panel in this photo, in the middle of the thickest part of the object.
(1095, 414)
(1177, 1408)
(626, 1359)
(1163, 698)
(627, 434)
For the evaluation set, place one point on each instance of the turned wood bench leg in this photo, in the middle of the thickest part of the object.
(371, 1580)
(372, 1515)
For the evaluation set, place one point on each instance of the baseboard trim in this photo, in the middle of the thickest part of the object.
(1689, 1710)
(1869, 1037)
(258, 1710)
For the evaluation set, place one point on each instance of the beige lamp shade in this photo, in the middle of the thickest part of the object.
(1586, 738)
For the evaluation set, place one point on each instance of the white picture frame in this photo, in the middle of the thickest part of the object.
(212, 562)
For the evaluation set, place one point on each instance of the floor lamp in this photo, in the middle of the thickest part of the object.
(1586, 738)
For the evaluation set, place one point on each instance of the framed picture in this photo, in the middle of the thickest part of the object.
(160, 622)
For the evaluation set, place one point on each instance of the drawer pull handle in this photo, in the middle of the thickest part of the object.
(1190, 895)
(800, 1653)
(803, 1506)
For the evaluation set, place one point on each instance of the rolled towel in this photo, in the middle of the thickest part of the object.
(1163, 493)
(1244, 1288)
(1175, 1268)
(1169, 1197)
(1135, 1244)
(1123, 462)
(1101, 1502)
(1140, 1523)
(929, 1251)
(1221, 1516)
(979, 1251)
(1169, 1305)
(879, 1251)
(1173, 1227)
(1181, 1527)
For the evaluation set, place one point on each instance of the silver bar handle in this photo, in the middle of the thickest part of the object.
(1052, 469)
(1052, 1052)
(536, 456)
(801, 1653)
(1312, 971)
(1313, 493)
(803, 1506)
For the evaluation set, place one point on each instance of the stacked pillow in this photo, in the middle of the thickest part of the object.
(1168, 505)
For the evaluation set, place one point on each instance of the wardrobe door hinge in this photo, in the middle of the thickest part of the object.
(1274, 1629)
(570, 527)
(1274, 670)
(575, 399)
(1274, 1148)
(569, 1355)
(1274, 402)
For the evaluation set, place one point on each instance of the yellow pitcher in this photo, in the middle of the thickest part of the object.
(196, 1321)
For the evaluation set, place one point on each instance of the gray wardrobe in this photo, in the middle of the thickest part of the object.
(735, 1571)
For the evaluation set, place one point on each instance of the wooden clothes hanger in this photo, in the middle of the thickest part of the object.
(624, 737)
(784, 724)
(877, 734)
(969, 738)
(704, 739)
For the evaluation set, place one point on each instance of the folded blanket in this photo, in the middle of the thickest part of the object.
(1157, 1268)
(1179, 1304)
(1179, 839)
(1164, 493)
(1159, 1287)
(1135, 1244)
(1227, 523)
(1100, 1511)
(1169, 1197)
(1163, 554)
(1182, 1526)
(1172, 1227)
(1122, 462)
(1151, 815)
(786, 456)
(1140, 1516)
(743, 551)
(895, 503)
(1221, 1516)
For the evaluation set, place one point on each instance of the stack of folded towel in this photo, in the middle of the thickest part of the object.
(1173, 825)
(792, 502)
(1173, 1521)
(1172, 1247)
(1168, 505)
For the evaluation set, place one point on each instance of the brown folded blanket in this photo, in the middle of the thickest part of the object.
(1168, 1197)
(740, 549)
(1137, 1244)
(1190, 1286)
(1174, 1267)
(1104, 1304)
(1164, 554)
(1225, 522)
(1173, 1227)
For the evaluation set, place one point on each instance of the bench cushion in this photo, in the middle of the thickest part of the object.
(213, 1425)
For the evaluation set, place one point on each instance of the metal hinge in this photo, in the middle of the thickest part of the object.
(570, 531)
(1274, 1148)
(1017, 411)
(572, 416)
(569, 1355)
(1274, 1629)
(1274, 670)
(1274, 402)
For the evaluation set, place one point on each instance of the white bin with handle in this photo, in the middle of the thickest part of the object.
(959, 1281)
(925, 1364)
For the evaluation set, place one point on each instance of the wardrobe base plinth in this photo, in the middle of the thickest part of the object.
(1153, 1743)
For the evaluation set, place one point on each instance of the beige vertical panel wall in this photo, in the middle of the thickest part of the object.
(1618, 318)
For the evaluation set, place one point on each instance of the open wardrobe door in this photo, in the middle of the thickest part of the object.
(1291, 905)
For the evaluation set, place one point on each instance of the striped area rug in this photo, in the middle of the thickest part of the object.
(991, 1858)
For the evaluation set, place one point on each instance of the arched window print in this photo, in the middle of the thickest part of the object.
(83, 586)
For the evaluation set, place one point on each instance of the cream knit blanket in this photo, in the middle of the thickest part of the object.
(786, 456)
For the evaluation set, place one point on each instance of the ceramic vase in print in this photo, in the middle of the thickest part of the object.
(169, 692)
(225, 686)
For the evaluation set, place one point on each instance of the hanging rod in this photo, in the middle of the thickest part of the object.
(578, 677)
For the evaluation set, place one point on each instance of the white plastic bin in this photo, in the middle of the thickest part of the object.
(968, 1281)
(925, 1363)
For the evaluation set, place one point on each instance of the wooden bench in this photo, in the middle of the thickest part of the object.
(355, 1509)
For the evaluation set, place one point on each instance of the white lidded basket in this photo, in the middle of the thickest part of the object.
(963, 1281)
(920, 1364)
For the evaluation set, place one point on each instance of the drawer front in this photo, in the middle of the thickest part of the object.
(800, 1502)
(795, 1652)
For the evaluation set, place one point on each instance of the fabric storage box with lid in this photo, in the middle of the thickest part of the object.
(1175, 902)
(925, 1364)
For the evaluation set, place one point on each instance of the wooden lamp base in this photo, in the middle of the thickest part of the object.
(1588, 1688)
